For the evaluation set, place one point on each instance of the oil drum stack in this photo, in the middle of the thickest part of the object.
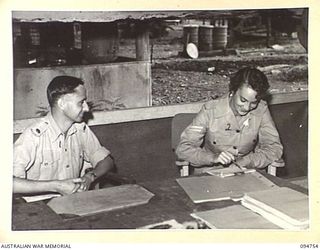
(206, 37)
(220, 34)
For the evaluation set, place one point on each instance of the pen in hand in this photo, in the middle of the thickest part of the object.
(238, 166)
(235, 163)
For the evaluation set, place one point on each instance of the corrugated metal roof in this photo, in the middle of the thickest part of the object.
(111, 16)
(93, 16)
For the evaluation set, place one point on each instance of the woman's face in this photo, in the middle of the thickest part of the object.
(244, 100)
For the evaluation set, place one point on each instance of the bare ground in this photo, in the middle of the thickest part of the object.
(176, 79)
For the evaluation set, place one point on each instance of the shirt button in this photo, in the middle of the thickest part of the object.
(234, 147)
(238, 131)
(67, 166)
(65, 150)
(214, 142)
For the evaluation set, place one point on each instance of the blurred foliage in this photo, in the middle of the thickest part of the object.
(105, 105)
(99, 105)
(156, 28)
(42, 111)
(282, 20)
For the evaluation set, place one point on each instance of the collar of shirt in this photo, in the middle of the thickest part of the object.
(56, 131)
(223, 108)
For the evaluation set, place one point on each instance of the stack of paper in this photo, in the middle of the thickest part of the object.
(282, 206)
(234, 217)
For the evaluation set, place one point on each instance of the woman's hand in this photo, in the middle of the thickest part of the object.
(225, 158)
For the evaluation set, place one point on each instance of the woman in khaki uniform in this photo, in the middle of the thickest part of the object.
(235, 129)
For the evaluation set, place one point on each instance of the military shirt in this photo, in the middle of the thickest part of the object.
(43, 152)
(253, 137)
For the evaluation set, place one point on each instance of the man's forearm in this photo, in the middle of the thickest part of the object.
(103, 166)
(64, 187)
(25, 186)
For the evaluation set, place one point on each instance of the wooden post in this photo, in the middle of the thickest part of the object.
(268, 32)
(231, 33)
(143, 47)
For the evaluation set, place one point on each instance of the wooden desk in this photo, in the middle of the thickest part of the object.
(170, 202)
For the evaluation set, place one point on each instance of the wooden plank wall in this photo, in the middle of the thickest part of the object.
(122, 83)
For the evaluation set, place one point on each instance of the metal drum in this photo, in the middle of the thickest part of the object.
(220, 34)
(190, 34)
(205, 37)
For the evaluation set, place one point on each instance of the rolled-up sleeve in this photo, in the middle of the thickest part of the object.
(94, 151)
(23, 154)
(189, 148)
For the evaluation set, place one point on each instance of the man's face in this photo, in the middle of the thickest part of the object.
(244, 100)
(76, 104)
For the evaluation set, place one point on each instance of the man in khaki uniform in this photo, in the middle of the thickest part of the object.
(49, 155)
(236, 128)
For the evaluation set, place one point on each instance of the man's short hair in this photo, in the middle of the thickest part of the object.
(61, 85)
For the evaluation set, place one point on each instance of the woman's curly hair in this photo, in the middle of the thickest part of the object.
(254, 78)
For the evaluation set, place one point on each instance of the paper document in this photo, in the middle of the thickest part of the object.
(169, 224)
(283, 206)
(229, 171)
(234, 217)
(39, 197)
(101, 200)
(213, 188)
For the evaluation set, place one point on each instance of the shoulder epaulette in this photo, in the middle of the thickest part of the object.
(210, 104)
(39, 128)
(263, 103)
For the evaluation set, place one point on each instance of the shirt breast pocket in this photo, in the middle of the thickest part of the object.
(77, 159)
(221, 138)
(48, 169)
(248, 141)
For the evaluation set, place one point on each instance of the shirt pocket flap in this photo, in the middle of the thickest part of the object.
(221, 137)
(50, 156)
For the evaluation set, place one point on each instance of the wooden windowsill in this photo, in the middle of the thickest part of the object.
(156, 112)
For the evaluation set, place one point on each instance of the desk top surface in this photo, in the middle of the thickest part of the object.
(170, 202)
